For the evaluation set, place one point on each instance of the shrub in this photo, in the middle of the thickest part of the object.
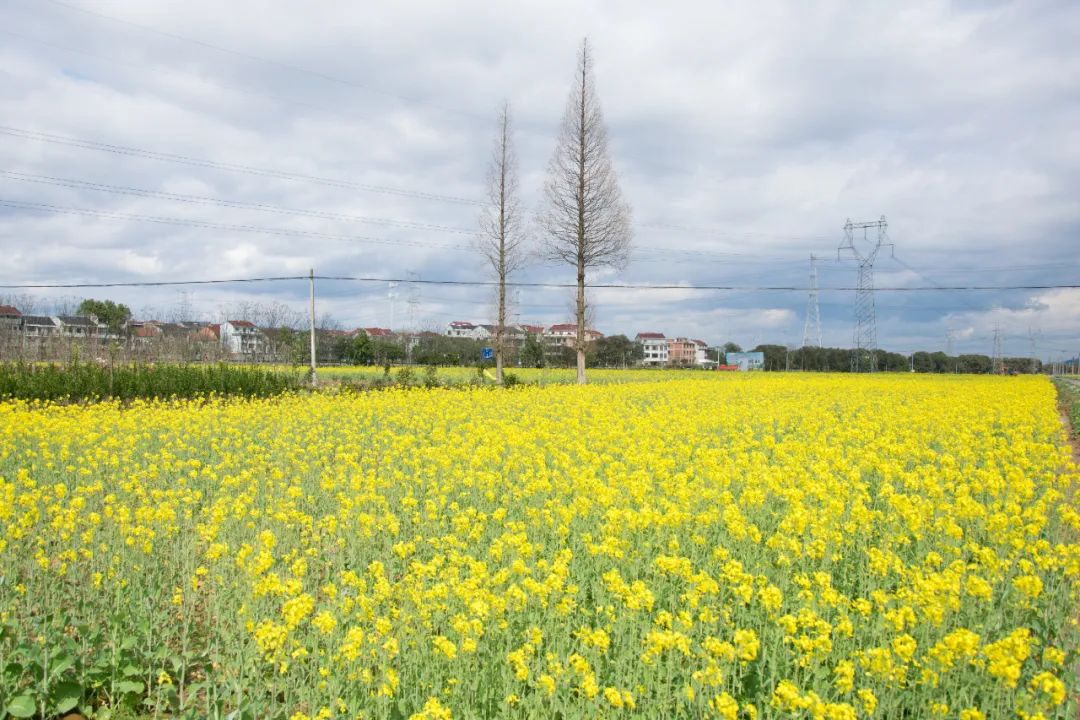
(78, 382)
(405, 376)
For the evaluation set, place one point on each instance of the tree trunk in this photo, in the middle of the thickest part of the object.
(500, 327)
(581, 323)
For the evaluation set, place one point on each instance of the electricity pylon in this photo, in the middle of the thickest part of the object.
(865, 316)
(999, 361)
(812, 330)
(392, 296)
(413, 300)
(1032, 336)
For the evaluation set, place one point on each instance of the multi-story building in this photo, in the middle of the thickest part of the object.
(242, 339)
(82, 327)
(460, 328)
(654, 347)
(39, 326)
(466, 329)
(565, 335)
(682, 352)
(701, 355)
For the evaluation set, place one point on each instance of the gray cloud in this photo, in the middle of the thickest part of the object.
(745, 135)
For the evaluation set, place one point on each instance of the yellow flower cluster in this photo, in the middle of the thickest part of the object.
(695, 545)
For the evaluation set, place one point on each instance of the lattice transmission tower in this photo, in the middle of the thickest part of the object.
(392, 296)
(863, 356)
(998, 359)
(1033, 336)
(811, 336)
(412, 300)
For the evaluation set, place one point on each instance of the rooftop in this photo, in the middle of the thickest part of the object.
(78, 320)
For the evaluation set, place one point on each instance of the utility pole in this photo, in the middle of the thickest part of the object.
(865, 316)
(311, 325)
(812, 330)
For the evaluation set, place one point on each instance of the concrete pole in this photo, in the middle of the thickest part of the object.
(311, 318)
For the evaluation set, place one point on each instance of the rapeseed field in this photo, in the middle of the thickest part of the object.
(764, 546)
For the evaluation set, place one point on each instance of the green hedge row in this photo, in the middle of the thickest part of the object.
(76, 382)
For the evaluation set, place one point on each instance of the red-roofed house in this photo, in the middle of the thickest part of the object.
(377, 332)
(461, 328)
(10, 318)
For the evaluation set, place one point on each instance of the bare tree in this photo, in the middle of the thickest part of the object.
(586, 220)
(23, 302)
(502, 233)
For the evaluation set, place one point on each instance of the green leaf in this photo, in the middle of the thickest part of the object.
(177, 663)
(13, 669)
(129, 686)
(61, 665)
(22, 707)
(130, 671)
(65, 696)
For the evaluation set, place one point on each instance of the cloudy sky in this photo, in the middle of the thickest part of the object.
(158, 140)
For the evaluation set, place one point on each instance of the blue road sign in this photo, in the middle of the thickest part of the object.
(488, 353)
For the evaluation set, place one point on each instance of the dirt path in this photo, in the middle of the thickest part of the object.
(1071, 434)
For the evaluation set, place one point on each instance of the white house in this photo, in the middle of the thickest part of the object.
(655, 348)
(81, 326)
(461, 328)
(702, 353)
(566, 334)
(242, 339)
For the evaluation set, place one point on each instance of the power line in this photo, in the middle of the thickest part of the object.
(175, 73)
(489, 283)
(127, 190)
(240, 204)
(726, 233)
(161, 220)
(230, 167)
(405, 224)
(143, 153)
(257, 58)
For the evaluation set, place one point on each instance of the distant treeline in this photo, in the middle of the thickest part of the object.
(77, 382)
(778, 357)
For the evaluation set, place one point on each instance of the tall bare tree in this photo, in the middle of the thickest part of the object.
(586, 220)
(502, 231)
